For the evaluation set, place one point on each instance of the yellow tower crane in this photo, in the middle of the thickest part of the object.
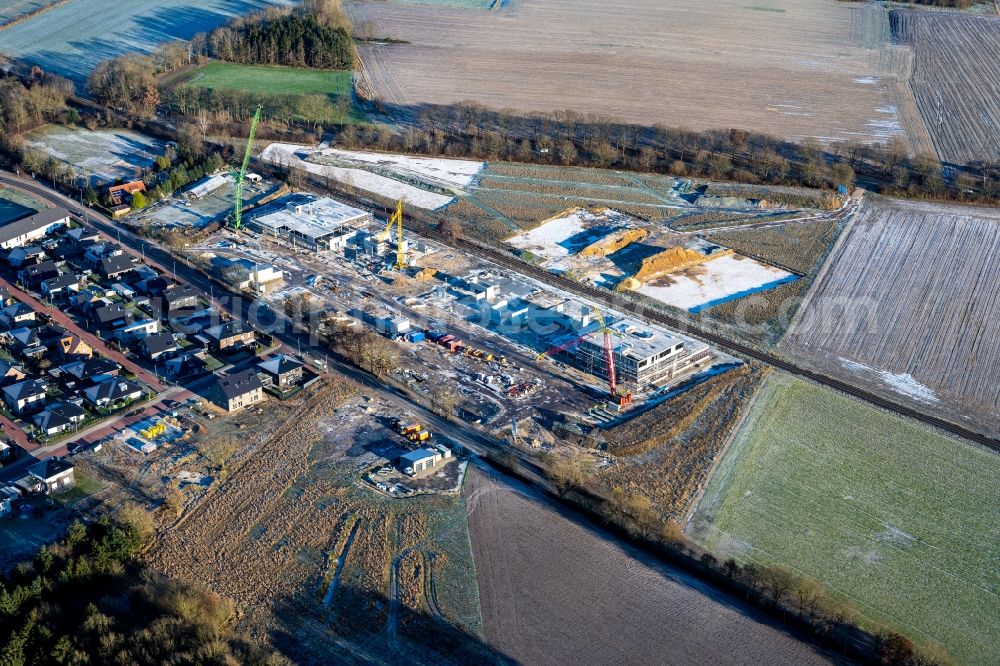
(397, 219)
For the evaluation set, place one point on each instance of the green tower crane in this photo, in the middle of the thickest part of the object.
(241, 174)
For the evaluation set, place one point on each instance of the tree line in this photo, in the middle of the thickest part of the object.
(569, 138)
(294, 39)
(86, 600)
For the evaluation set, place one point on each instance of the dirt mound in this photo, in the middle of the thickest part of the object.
(613, 243)
(426, 274)
(673, 259)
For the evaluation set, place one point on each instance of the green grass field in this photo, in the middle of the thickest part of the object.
(273, 81)
(270, 80)
(896, 516)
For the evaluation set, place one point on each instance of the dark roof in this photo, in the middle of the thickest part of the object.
(237, 384)
(59, 414)
(17, 310)
(228, 329)
(39, 220)
(112, 312)
(177, 292)
(35, 270)
(91, 367)
(157, 343)
(119, 263)
(26, 337)
(113, 389)
(64, 280)
(25, 389)
(49, 468)
(280, 365)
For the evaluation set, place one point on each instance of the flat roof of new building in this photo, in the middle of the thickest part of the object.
(309, 216)
(634, 339)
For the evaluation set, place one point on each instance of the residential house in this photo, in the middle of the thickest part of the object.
(113, 393)
(20, 257)
(113, 268)
(110, 316)
(85, 299)
(27, 342)
(33, 275)
(123, 290)
(73, 348)
(59, 417)
(80, 237)
(60, 286)
(152, 285)
(96, 252)
(16, 316)
(156, 345)
(177, 300)
(232, 335)
(91, 371)
(32, 227)
(10, 373)
(186, 365)
(136, 330)
(55, 474)
(121, 195)
(282, 371)
(24, 397)
(237, 390)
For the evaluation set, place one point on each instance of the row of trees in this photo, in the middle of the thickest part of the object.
(749, 157)
(225, 105)
(85, 600)
(26, 104)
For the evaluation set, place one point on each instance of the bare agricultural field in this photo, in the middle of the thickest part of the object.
(553, 591)
(13, 9)
(72, 38)
(956, 80)
(908, 303)
(791, 68)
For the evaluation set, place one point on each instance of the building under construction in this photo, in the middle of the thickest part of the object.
(304, 220)
(644, 358)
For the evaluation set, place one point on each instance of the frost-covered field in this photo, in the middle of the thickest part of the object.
(569, 233)
(72, 38)
(909, 300)
(896, 516)
(294, 156)
(102, 155)
(458, 173)
(714, 282)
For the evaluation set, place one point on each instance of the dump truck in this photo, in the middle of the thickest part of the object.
(421, 436)
(408, 429)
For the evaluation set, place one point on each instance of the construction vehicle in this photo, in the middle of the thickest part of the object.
(620, 399)
(421, 436)
(383, 237)
(242, 173)
(407, 429)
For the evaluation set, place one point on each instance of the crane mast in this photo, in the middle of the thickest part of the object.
(241, 174)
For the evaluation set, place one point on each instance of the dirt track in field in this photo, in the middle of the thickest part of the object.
(808, 68)
(553, 592)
